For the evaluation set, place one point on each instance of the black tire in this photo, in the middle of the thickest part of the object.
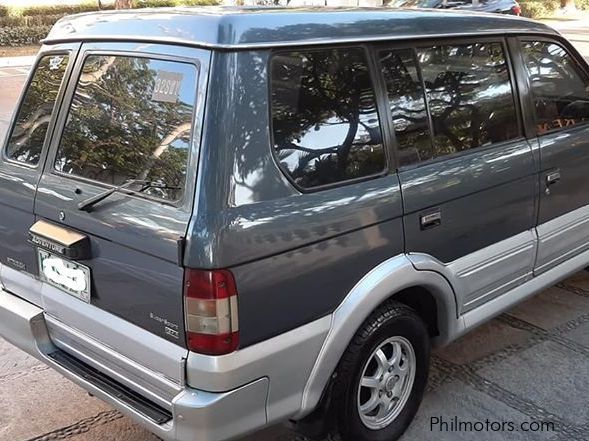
(390, 320)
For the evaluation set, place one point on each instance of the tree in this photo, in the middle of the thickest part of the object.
(568, 4)
(123, 4)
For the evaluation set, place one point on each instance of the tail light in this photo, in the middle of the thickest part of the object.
(211, 311)
(516, 9)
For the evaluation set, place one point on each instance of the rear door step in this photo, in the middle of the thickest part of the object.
(131, 398)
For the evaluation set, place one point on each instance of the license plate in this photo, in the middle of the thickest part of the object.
(64, 274)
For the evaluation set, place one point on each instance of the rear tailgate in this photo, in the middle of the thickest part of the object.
(131, 112)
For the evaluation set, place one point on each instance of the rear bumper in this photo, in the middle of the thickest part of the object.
(195, 415)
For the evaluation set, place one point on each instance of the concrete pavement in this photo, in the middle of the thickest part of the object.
(527, 369)
(11, 81)
(16, 61)
(577, 31)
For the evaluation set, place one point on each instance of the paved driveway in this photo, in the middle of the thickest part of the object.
(523, 376)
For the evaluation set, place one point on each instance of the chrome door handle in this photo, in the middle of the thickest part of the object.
(430, 220)
(553, 177)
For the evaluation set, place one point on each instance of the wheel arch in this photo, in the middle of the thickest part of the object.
(393, 278)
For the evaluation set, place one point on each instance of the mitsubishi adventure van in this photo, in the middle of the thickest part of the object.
(220, 219)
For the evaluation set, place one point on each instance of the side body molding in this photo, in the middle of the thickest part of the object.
(380, 284)
(488, 273)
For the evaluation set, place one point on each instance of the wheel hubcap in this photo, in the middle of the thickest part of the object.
(386, 382)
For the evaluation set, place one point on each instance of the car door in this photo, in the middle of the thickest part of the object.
(120, 179)
(468, 177)
(558, 100)
(21, 161)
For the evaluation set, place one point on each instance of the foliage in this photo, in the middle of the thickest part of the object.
(19, 11)
(24, 25)
(539, 8)
(28, 20)
(22, 36)
(92, 6)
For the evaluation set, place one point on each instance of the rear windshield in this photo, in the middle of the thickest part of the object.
(33, 118)
(131, 119)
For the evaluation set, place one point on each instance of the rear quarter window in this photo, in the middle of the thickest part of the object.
(131, 119)
(325, 124)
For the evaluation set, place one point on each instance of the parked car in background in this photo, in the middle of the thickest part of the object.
(217, 220)
(510, 7)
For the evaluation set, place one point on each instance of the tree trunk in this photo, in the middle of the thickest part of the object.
(123, 4)
(568, 4)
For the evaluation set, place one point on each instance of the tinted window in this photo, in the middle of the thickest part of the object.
(324, 116)
(131, 119)
(32, 121)
(408, 108)
(470, 97)
(560, 89)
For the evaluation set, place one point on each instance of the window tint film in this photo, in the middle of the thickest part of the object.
(470, 96)
(131, 119)
(325, 123)
(561, 91)
(407, 103)
(32, 121)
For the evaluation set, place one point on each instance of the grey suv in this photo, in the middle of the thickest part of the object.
(216, 220)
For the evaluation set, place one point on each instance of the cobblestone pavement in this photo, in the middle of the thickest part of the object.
(530, 366)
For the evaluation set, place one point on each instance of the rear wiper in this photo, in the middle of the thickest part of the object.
(87, 204)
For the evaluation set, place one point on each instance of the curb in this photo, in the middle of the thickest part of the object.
(17, 61)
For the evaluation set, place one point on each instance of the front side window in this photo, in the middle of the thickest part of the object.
(325, 123)
(32, 121)
(131, 120)
(470, 97)
(559, 87)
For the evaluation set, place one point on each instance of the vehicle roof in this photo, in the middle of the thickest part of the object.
(242, 28)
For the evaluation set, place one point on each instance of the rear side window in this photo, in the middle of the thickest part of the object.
(408, 107)
(324, 118)
(131, 119)
(470, 96)
(32, 121)
(469, 93)
(559, 87)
